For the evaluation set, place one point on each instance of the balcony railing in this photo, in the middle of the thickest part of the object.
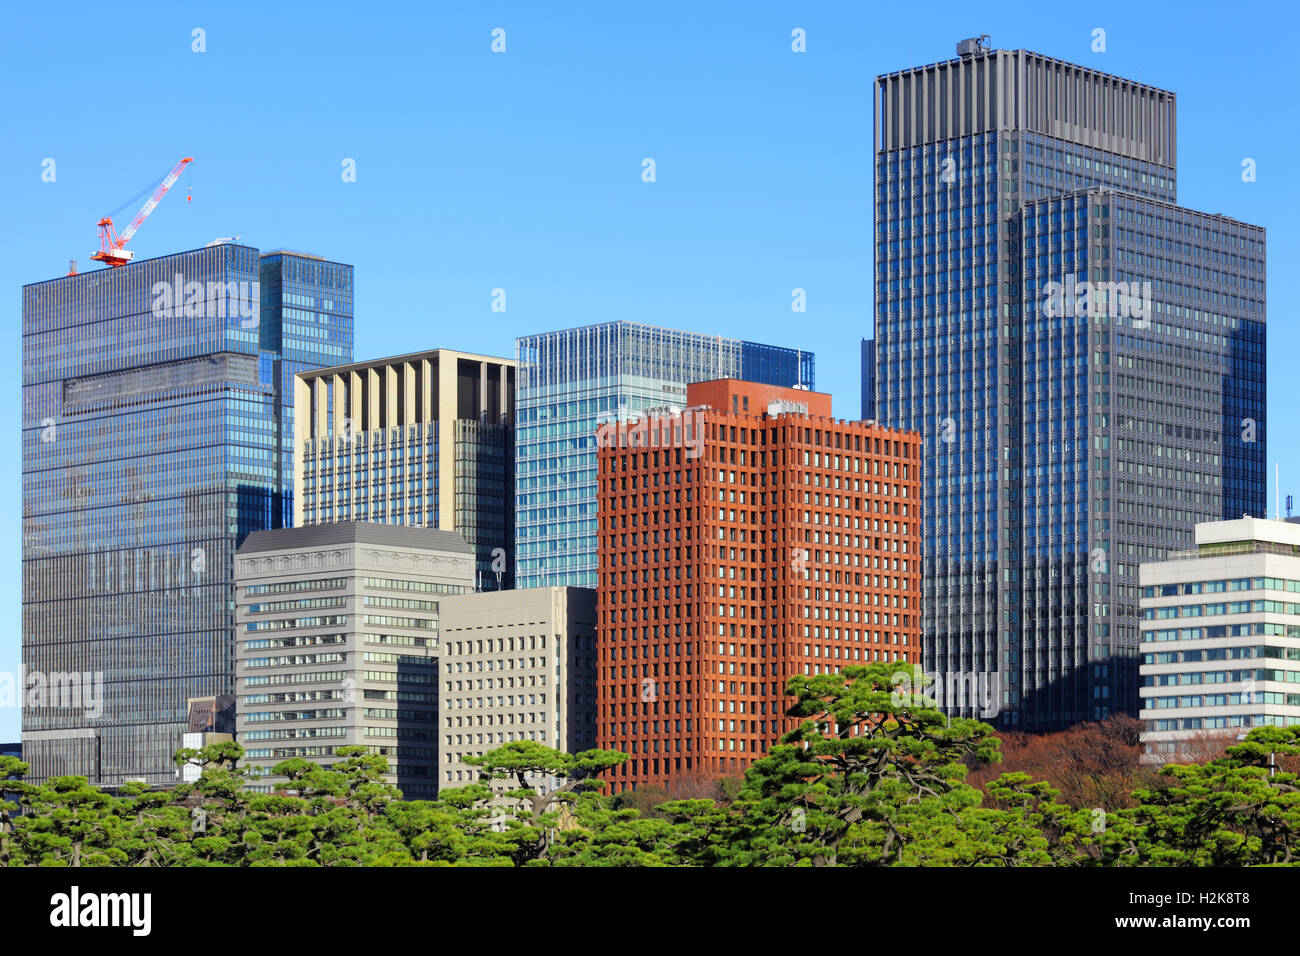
(1235, 547)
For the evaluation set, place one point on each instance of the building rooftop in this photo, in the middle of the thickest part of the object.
(650, 328)
(726, 394)
(1248, 529)
(99, 270)
(355, 532)
(1023, 53)
(398, 359)
(299, 255)
(1149, 201)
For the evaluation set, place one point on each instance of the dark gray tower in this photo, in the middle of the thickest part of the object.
(1084, 357)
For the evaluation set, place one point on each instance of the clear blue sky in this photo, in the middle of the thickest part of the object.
(522, 170)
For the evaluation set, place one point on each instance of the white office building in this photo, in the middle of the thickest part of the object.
(1221, 636)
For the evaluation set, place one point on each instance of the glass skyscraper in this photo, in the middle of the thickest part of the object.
(306, 324)
(152, 445)
(1084, 357)
(569, 381)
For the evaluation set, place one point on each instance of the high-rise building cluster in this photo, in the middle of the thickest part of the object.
(629, 536)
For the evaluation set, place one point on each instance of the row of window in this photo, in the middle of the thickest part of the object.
(1227, 584)
(1246, 698)
(1215, 723)
(1227, 607)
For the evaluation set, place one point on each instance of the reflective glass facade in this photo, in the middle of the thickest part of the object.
(388, 475)
(306, 324)
(485, 490)
(150, 449)
(978, 208)
(868, 407)
(1132, 425)
(568, 382)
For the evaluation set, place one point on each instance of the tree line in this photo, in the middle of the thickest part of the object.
(863, 781)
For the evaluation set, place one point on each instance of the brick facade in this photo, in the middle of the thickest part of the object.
(743, 540)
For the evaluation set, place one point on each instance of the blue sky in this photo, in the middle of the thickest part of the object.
(522, 170)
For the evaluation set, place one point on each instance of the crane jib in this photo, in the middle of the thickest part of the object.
(111, 245)
(148, 207)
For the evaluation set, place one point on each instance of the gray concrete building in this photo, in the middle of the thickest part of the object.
(1221, 637)
(516, 665)
(337, 634)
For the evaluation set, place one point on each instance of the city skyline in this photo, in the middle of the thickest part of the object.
(385, 332)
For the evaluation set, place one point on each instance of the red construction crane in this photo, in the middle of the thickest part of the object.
(110, 251)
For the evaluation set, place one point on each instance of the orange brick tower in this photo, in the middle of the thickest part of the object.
(743, 540)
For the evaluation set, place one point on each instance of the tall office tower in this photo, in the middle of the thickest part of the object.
(1216, 661)
(572, 380)
(337, 644)
(516, 665)
(150, 440)
(746, 539)
(1084, 357)
(424, 439)
(306, 324)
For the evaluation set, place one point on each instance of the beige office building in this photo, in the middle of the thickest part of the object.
(516, 665)
(424, 440)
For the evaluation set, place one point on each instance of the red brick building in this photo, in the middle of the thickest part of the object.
(746, 539)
